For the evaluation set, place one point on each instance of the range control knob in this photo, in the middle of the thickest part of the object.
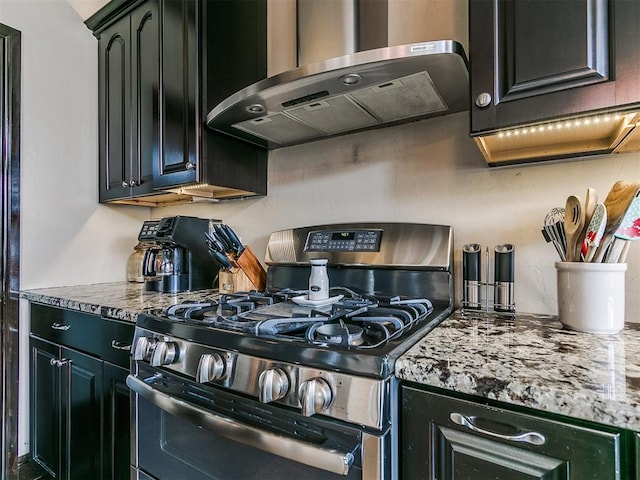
(144, 348)
(274, 384)
(164, 353)
(315, 396)
(210, 368)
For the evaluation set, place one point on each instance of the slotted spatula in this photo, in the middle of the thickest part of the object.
(573, 227)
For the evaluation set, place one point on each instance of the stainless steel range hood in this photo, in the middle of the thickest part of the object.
(359, 90)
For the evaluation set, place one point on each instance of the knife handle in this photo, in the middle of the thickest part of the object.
(503, 295)
(471, 272)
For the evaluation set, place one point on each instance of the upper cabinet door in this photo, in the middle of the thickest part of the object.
(541, 59)
(114, 137)
(179, 105)
(145, 80)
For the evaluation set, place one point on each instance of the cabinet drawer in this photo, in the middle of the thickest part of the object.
(66, 327)
(452, 438)
(107, 339)
(116, 338)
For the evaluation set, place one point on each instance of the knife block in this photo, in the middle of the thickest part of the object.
(247, 274)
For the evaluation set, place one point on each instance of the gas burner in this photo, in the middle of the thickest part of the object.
(339, 333)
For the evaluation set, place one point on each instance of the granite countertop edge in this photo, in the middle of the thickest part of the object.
(116, 300)
(532, 361)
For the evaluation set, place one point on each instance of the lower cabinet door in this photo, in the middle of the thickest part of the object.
(45, 434)
(117, 421)
(81, 414)
(447, 438)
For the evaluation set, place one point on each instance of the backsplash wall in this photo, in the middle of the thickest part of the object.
(428, 172)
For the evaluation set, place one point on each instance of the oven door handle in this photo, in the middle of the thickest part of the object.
(327, 459)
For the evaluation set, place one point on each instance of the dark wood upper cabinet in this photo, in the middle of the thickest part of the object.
(537, 60)
(145, 81)
(128, 69)
(163, 65)
(179, 110)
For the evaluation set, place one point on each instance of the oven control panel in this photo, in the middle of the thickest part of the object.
(312, 391)
(343, 241)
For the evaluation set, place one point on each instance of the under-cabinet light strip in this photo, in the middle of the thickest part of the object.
(559, 125)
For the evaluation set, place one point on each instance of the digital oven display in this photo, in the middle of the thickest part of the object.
(343, 241)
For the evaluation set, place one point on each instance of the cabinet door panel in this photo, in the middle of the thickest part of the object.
(83, 408)
(463, 455)
(179, 114)
(549, 46)
(145, 52)
(433, 445)
(114, 86)
(117, 422)
(45, 403)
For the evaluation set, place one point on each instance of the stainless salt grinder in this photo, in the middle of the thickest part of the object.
(471, 276)
(503, 299)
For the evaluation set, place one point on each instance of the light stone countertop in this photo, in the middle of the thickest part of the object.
(119, 300)
(531, 361)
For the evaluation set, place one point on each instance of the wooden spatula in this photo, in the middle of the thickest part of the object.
(617, 202)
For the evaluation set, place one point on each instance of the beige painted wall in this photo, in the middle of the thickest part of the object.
(431, 172)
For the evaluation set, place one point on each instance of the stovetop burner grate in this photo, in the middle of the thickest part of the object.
(357, 321)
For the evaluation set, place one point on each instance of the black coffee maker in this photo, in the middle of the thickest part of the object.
(177, 259)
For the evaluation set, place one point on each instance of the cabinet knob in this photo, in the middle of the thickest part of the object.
(315, 396)
(125, 184)
(54, 362)
(483, 100)
(274, 384)
(189, 166)
(132, 183)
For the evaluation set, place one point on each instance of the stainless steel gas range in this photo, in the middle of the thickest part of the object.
(274, 385)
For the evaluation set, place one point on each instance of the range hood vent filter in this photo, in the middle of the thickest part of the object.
(392, 101)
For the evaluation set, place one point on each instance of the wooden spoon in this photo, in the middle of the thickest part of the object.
(590, 202)
(573, 226)
(617, 202)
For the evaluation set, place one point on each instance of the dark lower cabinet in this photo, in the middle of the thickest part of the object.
(117, 422)
(449, 438)
(80, 424)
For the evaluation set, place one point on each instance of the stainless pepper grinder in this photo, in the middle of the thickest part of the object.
(471, 273)
(503, 295)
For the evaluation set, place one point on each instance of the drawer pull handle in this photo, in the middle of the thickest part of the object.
(533, 438)
(59, 326)
(120, 345)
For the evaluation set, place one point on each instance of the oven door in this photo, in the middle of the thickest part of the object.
(189, 431)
